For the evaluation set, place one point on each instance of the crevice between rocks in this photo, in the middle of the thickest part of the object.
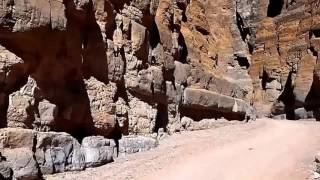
(244, 30)
(288, 98)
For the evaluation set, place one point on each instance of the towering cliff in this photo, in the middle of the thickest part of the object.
(116, 68)
(284, 67)
(129, 67)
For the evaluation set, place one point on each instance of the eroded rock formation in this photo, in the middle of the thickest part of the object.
(127, 67)
(116, 69)
(285, 59)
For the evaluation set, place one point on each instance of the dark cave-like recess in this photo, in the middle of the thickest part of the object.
(275, 8)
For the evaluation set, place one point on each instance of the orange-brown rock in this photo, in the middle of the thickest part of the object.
(284, 62)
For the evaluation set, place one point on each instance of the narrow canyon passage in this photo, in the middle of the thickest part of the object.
(264, 149)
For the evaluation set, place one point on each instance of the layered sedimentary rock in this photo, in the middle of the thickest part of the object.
(115, 68)
(125, 69)
(128, 70)
(285, 59)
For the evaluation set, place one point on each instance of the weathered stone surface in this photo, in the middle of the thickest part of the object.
(181, 72)
(142, 117)
(58, 152)
(149, 81)
(47, 113)
(211, 100)
(20, 106)
(98, 150)
(115, 68)
(17, 138)
(129, 145)
(5, 171)
(24, 165)
(301, 113)
(192, 125)
(17, 146)
(102, 105)
(28, 153)
(122, 112)
(94, 68)
(284, 60)
(148, 54)
(317, 167)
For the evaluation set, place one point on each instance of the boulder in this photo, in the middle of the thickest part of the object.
(24, 165)
(98, 150)
(58, 152)
(302, 113)
(6, 171)
(21, 105)
(17, 138)
(181, 72)
(134, 144)
(28, 153)
(212, 100)
(47, 113)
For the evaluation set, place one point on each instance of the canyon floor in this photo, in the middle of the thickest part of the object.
(264, 149)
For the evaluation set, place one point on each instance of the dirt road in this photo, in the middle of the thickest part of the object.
(261, 150)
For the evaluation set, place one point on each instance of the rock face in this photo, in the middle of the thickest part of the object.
(115, 68)
(285, 59)
(126, 69)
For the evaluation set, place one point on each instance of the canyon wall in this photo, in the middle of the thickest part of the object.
(123, 67)
(284, 67)
(120, 69)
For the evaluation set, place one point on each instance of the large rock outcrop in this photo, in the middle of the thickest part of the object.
(125, 69)
(74, 73)
(284, 67)
(115, 68)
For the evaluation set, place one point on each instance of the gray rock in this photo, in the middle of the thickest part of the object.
(150, 81)
(11, 138)
(186, 122)
(138, 35)
(98, 151)
(58, 152)
(181, 72)
(301, 113)
(19, 104)
(24, 165)
(122, 114)
(31, 152)
(47, 114)
(115, 64)
(212, 100)
(317, 163)
(134, 144)
(6, 171)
